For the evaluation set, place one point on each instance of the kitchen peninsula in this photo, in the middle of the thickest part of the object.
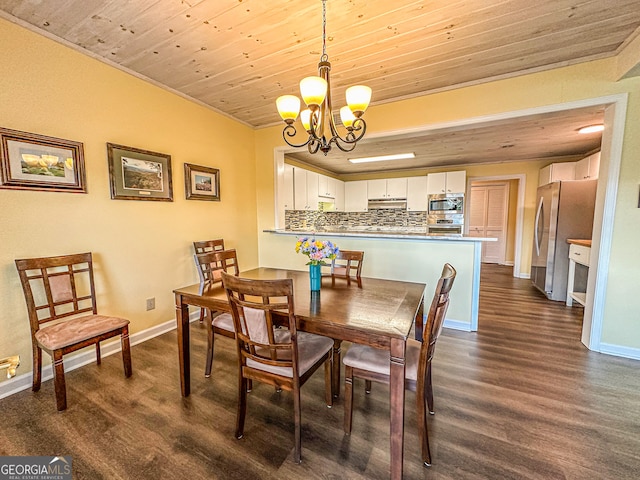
(407, 254)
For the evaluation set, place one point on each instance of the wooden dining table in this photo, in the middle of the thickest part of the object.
(380, 313)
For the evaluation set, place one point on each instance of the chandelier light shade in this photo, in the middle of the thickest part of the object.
(313, 91)
(288, 106)
(318, 117)
(358, 98)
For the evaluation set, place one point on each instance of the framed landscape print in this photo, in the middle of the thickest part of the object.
(136, 174)
(29, 161)
(201, 183)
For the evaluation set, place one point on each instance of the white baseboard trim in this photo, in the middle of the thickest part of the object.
(457, 325)
(71, 362)
(619, 351)
(526, 276)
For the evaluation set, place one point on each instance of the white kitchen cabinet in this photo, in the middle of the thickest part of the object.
(588, 167)
(447, 182)
(387, 188)
(557, 172)
(396, 188)
(355, 196)
(327, 186)
(376, 188)
(417, 194)
(288, 199)
(339, 194)
(305, 189)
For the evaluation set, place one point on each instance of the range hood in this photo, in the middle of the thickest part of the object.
(399, 203)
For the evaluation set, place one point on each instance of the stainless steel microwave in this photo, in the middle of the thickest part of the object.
(447, 203)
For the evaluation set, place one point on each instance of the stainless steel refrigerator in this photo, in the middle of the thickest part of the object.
(563, 210)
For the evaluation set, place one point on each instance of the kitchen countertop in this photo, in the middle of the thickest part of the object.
(380, 232)
(584, 243)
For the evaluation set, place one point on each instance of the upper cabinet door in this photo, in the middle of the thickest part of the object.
(587, 168)
(338, 186)
(396, 188)
(312, 191)
(355, 196)
(417, 194)
(323, 186)
(456, 182)
(288, 187)
(436, 183)
(332, 185)
(376, 189)
(305, 189)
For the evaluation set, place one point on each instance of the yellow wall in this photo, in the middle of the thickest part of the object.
(584, 81)
(142, 249)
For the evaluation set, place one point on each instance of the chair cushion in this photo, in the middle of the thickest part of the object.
(77, 330)
(311, 348)
(376, 360)
(224, 321)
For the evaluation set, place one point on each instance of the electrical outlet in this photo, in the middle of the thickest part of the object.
(151, 303)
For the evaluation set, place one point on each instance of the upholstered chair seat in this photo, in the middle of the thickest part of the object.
(77, 330)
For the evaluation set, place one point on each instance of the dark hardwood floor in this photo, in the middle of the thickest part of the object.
(521, 398)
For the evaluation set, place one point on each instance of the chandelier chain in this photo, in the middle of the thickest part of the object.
(320, 115)
(324, 31)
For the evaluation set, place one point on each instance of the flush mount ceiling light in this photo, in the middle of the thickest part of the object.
(316, 93)
(592, 128)
(396, 156)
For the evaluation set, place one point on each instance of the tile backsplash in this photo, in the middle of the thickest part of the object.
(313, 220)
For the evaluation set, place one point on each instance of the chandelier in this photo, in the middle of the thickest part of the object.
(316, 93)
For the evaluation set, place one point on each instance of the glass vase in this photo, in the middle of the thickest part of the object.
(314, 277)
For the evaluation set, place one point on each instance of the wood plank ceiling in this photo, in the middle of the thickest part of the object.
(237, 56)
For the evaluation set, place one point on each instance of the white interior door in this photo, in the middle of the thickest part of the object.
(488, 210)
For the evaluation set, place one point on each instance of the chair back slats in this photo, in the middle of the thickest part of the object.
(437, 312)
(258, 307)
(209, 246)
(57, 287)
(346, 264)
(212, 264)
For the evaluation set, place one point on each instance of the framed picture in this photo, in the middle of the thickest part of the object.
(136, 174)
(29, 161)
(201, 183)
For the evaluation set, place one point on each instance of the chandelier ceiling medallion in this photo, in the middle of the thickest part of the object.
(316, 93)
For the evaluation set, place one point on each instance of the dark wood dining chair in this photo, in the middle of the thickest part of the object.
(60, 292)
(284, 358)
(373, 364)
(205, 246)
(346, 264)
(210, 265)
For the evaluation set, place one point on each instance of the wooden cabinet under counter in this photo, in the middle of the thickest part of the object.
(579, 253)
